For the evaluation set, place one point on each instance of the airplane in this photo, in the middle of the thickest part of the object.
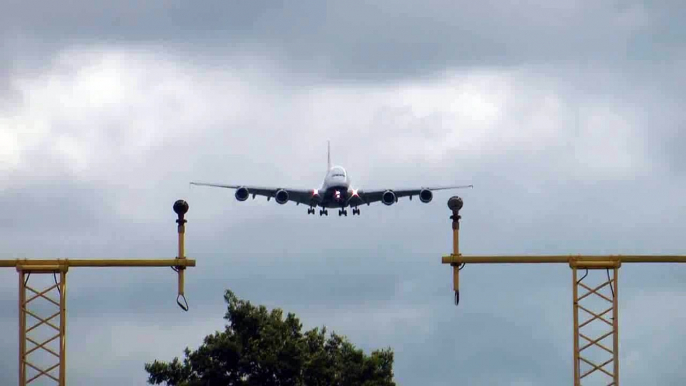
(336, 191)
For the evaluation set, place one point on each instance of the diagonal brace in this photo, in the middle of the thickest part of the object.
(594, 291)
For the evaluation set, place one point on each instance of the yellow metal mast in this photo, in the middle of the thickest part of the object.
(606, 316)
(29, 369)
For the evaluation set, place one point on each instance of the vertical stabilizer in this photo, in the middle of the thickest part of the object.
(328, 155)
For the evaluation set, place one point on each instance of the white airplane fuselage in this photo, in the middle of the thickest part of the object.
(335, 191)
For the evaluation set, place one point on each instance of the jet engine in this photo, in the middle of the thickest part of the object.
(281, 196)
(425, 196)
(388, 198)
(242, 194)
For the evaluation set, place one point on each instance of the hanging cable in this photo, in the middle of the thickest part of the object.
(54, 276)
(184, 305)
(583, 277)
(610, 281)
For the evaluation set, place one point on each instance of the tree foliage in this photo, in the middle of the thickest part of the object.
(263, 348)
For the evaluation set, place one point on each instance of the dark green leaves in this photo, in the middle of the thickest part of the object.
(259, 347)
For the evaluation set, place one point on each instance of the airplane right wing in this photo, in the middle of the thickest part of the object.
(390, 196)
(281, 195)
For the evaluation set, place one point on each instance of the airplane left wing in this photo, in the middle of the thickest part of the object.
(281, 195)
(390, 196)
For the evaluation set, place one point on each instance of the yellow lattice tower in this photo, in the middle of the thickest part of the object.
(603, 314)
(33, 321)
(606, 313)
(55, 295)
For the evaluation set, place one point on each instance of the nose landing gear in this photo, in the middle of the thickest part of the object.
(356, 211)
(322, 212)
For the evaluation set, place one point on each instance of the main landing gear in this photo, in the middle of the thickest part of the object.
(344, 212)
(341, 212)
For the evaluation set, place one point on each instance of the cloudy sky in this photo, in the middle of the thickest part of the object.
(566, 116)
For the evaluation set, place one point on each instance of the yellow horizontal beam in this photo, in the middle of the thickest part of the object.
(607, 264)
(57, 263)
(42, 268)
(541, 259)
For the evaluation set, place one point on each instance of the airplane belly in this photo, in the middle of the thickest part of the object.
(335, 197)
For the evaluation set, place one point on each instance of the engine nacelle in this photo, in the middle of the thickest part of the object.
(281, 196)
(389, 198)
(425, 196)
(242, 194)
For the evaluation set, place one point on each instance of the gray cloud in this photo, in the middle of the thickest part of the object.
(357, 40)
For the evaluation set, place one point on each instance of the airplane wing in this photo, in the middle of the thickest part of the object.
(299, 196)
(370, 196)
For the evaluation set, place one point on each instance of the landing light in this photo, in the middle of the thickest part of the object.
(315, 192)
(355, 192)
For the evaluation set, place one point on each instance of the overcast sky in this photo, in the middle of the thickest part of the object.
(566, 116)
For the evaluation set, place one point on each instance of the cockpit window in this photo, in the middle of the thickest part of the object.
(338, 172)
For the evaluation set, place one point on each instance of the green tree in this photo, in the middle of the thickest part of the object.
(259, 347)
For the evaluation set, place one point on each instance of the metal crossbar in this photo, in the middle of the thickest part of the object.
(55, 296)
(581, 354)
